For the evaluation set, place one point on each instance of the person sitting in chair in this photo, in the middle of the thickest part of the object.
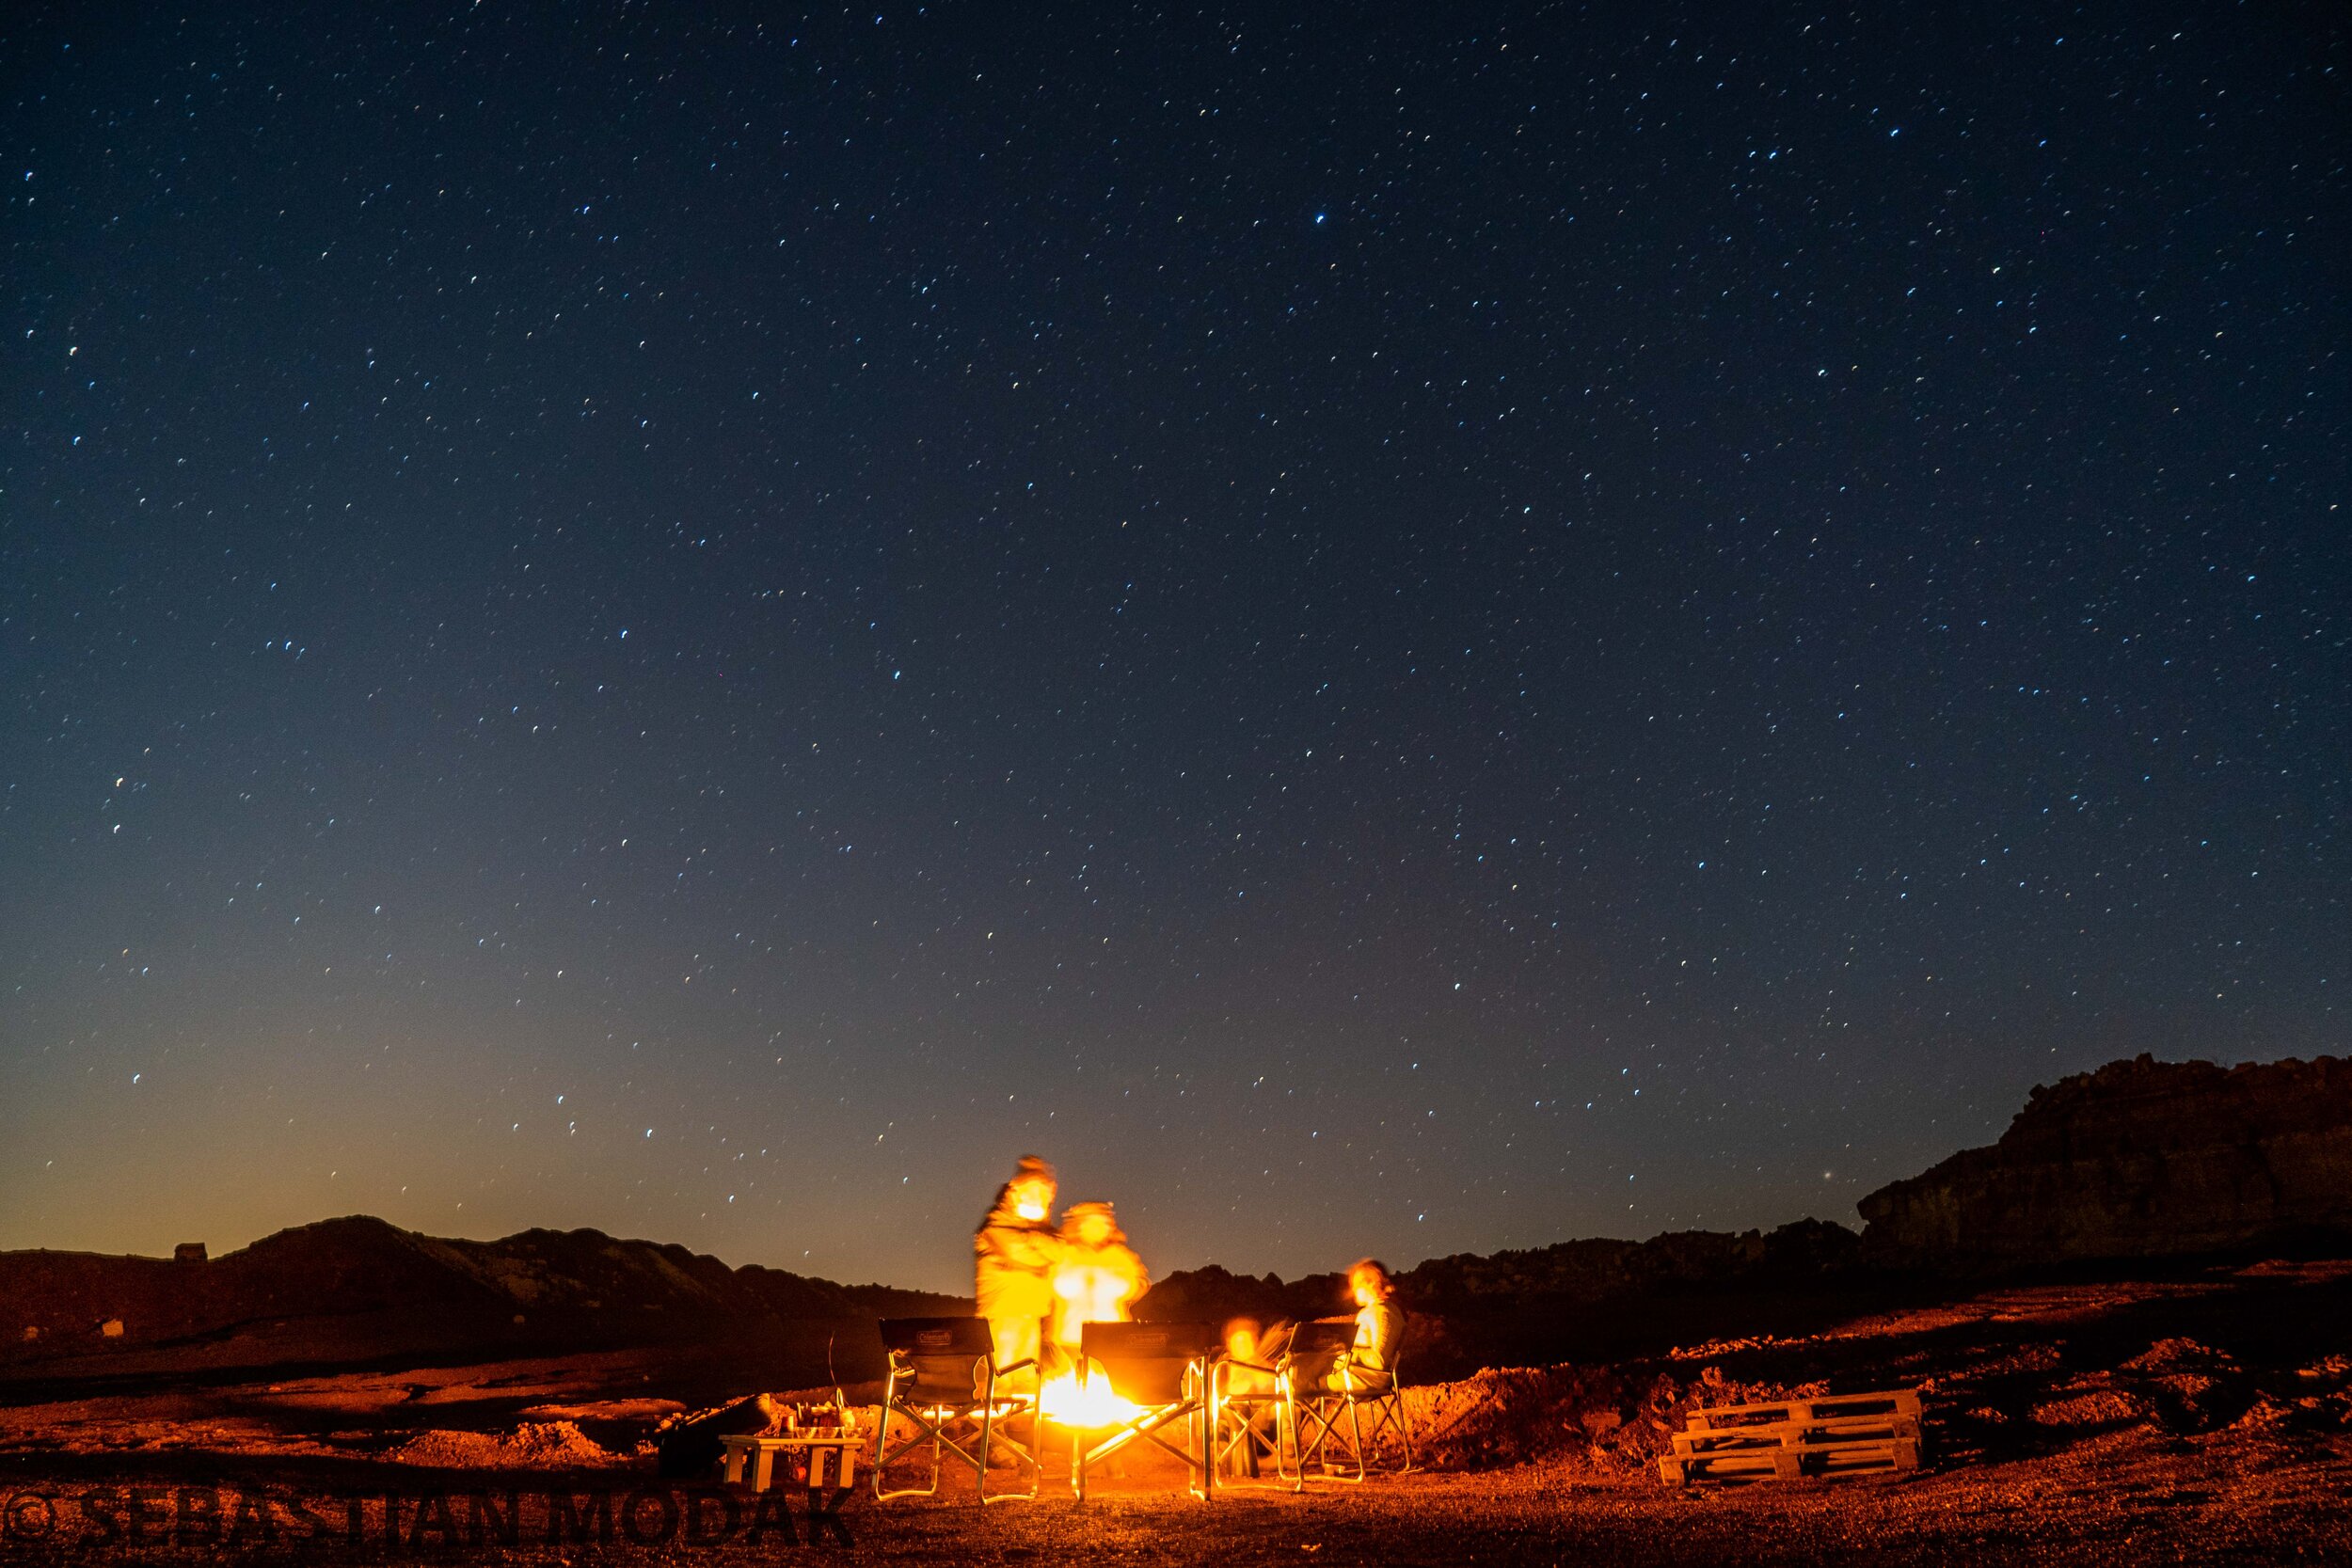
(1367, 1367)
(1370, 1364)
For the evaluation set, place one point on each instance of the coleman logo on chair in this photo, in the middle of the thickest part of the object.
(935, 1340)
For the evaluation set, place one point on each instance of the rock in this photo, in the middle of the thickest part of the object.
(534, 1446)
(2088, 1407)
(2179, 1355)
(688, 1445)
(2265, 1415)
(2141, 1159)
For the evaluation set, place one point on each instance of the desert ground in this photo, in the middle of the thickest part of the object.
(2201, 1417)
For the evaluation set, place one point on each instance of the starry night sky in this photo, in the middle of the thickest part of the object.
(1403, 631)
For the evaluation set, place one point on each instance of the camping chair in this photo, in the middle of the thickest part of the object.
(1163, 1369)
(1236, 1412)
(1337, 1410)
(943, 1370)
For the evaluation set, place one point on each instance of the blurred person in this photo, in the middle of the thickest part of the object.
(1370, 1364)
(1251, 1379)
(1014, 1254)
(1097, 1278)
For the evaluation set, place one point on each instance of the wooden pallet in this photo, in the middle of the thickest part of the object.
(1840, 1407)
(1845, 1435)
(1789, 1464)
(1798, 1434)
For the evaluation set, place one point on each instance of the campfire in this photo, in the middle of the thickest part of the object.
(1071, 1400)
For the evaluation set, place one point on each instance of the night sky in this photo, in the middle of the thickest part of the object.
(1399, 632)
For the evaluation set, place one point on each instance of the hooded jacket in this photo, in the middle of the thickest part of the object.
(1012, 1268)
(1094, 1284)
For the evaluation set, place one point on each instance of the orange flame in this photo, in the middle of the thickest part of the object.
(1071, 1402)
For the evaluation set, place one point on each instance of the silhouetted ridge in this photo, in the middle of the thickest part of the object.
(357, 1288)
(2141, 1159)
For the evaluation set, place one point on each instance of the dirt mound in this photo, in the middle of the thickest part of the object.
(532, 1446)
(2005, 1375)
(2089, 1403)
(1605, 1418)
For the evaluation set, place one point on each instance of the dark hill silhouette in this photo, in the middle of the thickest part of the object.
(2137, 1162)
(359, 1288)
(2140, 1164)
(1584, 1300)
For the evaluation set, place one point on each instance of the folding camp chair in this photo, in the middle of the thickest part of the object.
(1165, 1371)
(943, 1370)
(1331, 1399)
(1236, 1412)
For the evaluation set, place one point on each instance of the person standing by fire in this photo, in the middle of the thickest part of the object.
(1015, 1251)
(1098, 1278)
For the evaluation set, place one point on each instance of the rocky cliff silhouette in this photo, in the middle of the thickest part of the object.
(2141, 1159)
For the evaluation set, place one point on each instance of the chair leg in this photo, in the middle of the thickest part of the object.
(1404, 1427)
(1192, 1435)
(1311, 1434)
(1019, 1457)
(883, 1453)
(1205, 1426)
(1242, 1445)
(883, 1456)
(1317, 1435)
(979, 1479)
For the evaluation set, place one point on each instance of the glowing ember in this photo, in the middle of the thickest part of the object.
(1072, 1403)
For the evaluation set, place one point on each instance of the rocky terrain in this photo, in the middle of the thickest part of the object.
(2127, 1322)
(2141, 1159)
(2206, 1417)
